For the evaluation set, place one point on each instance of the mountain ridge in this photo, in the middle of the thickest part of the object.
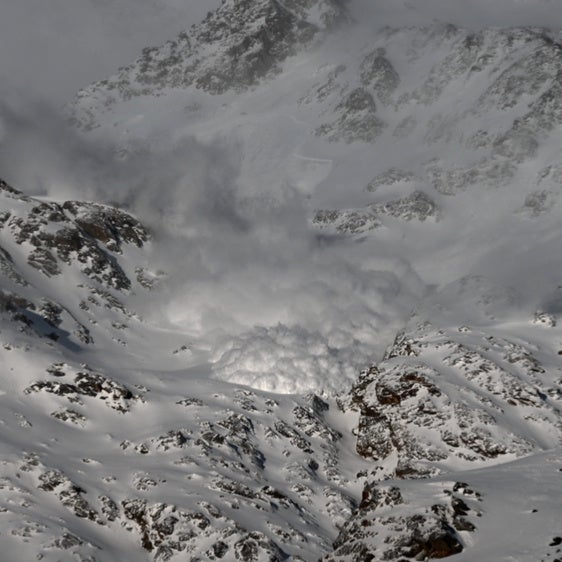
(396, 185)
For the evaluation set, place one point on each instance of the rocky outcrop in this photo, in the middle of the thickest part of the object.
(445, 399)
(232, 49)
(44, 242)
(86, 384)
(74, 232)
(417, 206)
(356, 119)
(389, 525)
(415, 424)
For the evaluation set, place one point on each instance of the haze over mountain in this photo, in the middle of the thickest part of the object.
(286, 287)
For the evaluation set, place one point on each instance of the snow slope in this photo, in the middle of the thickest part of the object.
(117, 442)
(337, 337)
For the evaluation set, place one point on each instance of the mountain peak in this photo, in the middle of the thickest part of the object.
(233, 48)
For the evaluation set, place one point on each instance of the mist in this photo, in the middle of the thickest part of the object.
(52, 49)
(472, 14)
(274, 303)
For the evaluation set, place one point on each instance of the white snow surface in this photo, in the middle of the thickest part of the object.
(396, 179)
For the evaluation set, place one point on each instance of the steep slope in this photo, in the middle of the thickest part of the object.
(367, 133)
(415, 165)
(62, 262)
(105, 458)
(398, 89)
(232, 49)
(471, 516)
(460, 402)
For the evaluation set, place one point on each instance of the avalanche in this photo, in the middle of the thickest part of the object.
(289, 291)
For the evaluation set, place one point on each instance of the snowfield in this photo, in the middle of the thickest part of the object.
(289, 289)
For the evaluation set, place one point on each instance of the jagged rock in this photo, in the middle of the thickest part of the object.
(448, 395)
(391, 177)
(109, 508)
(390, 525)
(377, 72)
(71, 416)
(401, 407)
(417, 206)
(110, 226)
(356, 121)
(352, 222)
(69, 494)
(190, 402)
(65, 244)
(255, 546)
(88, 384)
(165, 531)
(84, 233)
(232, 49)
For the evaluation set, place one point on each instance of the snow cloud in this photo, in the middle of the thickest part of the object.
(277, 304)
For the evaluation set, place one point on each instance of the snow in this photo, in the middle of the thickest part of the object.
(242, 304)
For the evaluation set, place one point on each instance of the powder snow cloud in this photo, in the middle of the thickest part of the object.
(276, 304)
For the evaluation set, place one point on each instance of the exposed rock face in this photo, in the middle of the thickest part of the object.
(87, 384)
(415, 425)
(55, 240)
(444, 399)
(391, 526)
(391, 178)
(511, 67)
(417, 206)
(356, 119)
(108, 225)
(378, 72)
(87, 233)
(235, 47)
(395, 90)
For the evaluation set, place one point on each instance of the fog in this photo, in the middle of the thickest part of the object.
(277, 305)
(52, 49)
(474, 14)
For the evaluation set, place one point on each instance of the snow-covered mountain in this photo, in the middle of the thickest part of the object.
(108, 453)
(325, 323)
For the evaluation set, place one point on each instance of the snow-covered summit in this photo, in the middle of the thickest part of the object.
(232, 49)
